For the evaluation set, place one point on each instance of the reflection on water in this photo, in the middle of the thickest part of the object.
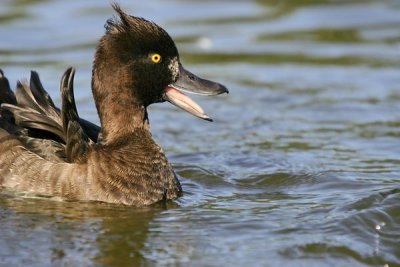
(300, 168)
(71, 234)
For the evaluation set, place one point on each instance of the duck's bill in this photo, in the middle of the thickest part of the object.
(190, 83)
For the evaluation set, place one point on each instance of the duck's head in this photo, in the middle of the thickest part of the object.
(141, 62)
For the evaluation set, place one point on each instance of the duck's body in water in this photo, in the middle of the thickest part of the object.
(52, 152)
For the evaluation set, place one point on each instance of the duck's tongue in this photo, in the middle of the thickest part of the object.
(181, 100)
(190, 83)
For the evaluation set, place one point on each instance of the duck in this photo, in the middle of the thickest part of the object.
(52, 152)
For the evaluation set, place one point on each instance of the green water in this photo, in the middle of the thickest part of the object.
(300, 168)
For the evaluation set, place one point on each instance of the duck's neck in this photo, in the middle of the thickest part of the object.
(119, 111)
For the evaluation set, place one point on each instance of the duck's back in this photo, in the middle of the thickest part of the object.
(32, 150)
(23, 170)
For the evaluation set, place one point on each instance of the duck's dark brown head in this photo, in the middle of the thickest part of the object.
(137, 64)
(143, 54)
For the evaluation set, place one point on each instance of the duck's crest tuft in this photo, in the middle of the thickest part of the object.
(117, 24)
(127, 23)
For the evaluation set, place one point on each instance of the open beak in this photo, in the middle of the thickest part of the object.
(190, 83)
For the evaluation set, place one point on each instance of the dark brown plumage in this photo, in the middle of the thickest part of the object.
(47, 151)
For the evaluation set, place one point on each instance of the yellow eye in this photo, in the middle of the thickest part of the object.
(156, 58)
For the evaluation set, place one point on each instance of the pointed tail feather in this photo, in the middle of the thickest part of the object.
(6, 94)
(77, 142)
(34, 110)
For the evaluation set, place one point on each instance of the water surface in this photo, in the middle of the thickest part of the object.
(300, 168)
